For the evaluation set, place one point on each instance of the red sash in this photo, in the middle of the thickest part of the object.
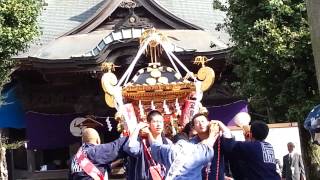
(88, 166)
(208, 168)
(154, 168)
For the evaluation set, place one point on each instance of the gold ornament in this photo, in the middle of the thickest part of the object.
(154, 48)
(200, 60)
(108, 66)
(206, 75)
(108, 81)
(109, 100)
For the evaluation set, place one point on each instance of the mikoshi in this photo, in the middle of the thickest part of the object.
(176, 95)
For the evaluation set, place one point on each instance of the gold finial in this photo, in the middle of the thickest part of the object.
(108, 66)
(154, 48)
(201, 60)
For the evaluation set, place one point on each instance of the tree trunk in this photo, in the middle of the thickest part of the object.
(310, 154)
(313, 9)
(313, 151)
(3, 162)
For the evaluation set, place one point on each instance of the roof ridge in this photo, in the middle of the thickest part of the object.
(152, 6)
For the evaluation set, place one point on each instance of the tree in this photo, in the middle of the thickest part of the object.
(272, 57)
(5, 145)
(18, 27)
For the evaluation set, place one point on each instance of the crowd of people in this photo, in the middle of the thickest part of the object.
(205, 149)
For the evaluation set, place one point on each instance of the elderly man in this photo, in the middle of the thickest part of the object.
(93, 159)
(293, 168)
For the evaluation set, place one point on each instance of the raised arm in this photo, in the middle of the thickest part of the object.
(213, 135)
(230, 145)
(133, 146)
(106, 153)
(225, 130)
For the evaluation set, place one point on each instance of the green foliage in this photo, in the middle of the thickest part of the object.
(18, 27)
(315, 154)
(273, 58)
(14, 145)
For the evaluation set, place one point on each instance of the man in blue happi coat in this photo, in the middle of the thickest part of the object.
(185, 160)
(256, 153)
(101, 155)
(199, 123)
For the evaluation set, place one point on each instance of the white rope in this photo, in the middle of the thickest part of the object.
(118, 98)
(183, 66)
(141, 50)
(178, 61)
(199, 95)
(133, 63)
(173, 64)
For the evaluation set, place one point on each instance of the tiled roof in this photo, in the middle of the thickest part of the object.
(198, 12)
(60, 16)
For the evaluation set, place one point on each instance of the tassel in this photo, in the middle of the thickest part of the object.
(141, 110)
(177, 106)
(165, 107)
(153, 107)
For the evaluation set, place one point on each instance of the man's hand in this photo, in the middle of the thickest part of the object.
(228, 178)
(213, 135)
(225, 130)
(142, 125)
(220, 124)
(213, 129)
(143, 129)
(135, 133)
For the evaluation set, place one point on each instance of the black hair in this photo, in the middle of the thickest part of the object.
(153, 113)
(291, 143)
(187, 128)
(197, 115)
(259, 130)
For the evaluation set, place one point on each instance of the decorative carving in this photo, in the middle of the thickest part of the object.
(154, 48)
(129, 4)
(108, 66)
(201, 60)
(133, 21)
(205, 73)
